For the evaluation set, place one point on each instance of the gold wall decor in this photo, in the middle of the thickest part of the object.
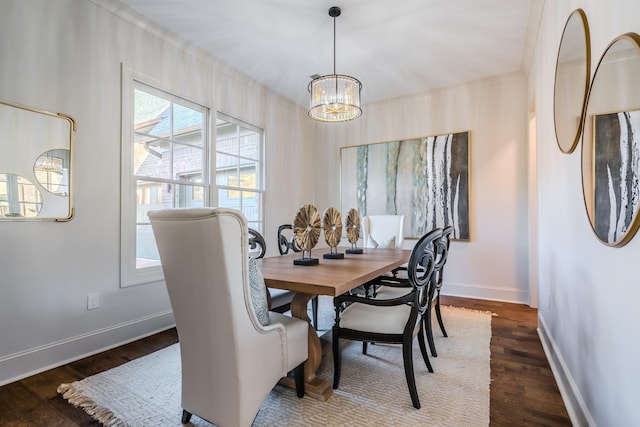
(36, 149)
(571, 84)
(611, 143)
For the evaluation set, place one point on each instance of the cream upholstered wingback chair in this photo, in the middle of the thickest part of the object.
(230, 361)
(380, 231)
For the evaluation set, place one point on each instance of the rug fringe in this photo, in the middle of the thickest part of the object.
(97, 412)
(471, 309)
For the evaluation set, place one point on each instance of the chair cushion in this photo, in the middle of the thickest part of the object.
(369, 318)
(389, 243)
(258, 293)
(279, 297)
(297, 332)
(388, 292)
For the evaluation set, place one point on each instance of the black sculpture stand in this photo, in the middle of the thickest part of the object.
(354, 250)
(333, 255)
(306, 261)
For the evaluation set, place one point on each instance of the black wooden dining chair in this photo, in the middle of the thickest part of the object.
(257, 245)
(390, 287)
(396, 320)
(287, 242)
(442, 248)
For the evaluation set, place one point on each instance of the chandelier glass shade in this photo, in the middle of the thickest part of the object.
(334, 97)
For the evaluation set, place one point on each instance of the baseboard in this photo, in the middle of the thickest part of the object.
(573, 401)
(20, 365)
(485, 292)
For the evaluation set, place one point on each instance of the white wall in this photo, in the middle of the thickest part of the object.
(589, 293)
(65, 56)
(493, 264)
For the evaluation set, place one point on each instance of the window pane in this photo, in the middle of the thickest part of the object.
(249, 144)
(149, 110)
(227, 138)
(187, 159)
(148, 197)
(187, 124)
(249, 176)
(146, 249)
(229, 199)
(189, 196)
(250, 205)
(239, 168)
(151, 195)
(151, 157)
(226, 167)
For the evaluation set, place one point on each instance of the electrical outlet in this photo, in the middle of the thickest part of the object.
(93, 301)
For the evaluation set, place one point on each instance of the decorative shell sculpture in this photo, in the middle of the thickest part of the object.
(332, 223)
(306, 228)
(353, 226)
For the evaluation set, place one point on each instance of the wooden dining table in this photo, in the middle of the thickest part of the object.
(331, 277)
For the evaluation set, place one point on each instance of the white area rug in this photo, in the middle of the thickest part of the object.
(373, 390)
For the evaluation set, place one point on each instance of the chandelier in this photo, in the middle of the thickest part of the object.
(334, 97)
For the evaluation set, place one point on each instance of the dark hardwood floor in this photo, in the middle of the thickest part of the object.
(523, 390)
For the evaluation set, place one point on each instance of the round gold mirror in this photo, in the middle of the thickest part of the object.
(611, 143)
(571, 81)
(19, 197)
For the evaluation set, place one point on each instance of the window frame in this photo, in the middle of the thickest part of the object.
(130, 274)
(260, 189)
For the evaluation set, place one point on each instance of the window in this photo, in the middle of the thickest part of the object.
(239, 168)
(165, 158)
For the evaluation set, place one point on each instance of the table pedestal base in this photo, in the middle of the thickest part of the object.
(318, 388)
(315, 387)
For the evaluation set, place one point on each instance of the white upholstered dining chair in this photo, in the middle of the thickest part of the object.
(383, 231)
(231, 355)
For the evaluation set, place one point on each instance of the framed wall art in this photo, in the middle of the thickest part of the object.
(426, 179)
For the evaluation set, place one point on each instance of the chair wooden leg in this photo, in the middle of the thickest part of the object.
(429, 331)
(337, 359)
(439, 316)
(314, 311)
(423, 350)
(298, 375)
(407, 356)
(186, 416)
(364, 347)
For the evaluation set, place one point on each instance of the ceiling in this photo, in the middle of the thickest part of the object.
(394, 47)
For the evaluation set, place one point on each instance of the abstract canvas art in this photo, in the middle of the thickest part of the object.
(426, 179)
(616, 174)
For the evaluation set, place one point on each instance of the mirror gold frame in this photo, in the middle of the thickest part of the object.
(36, 149)
(571, 84)
(611, 143)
